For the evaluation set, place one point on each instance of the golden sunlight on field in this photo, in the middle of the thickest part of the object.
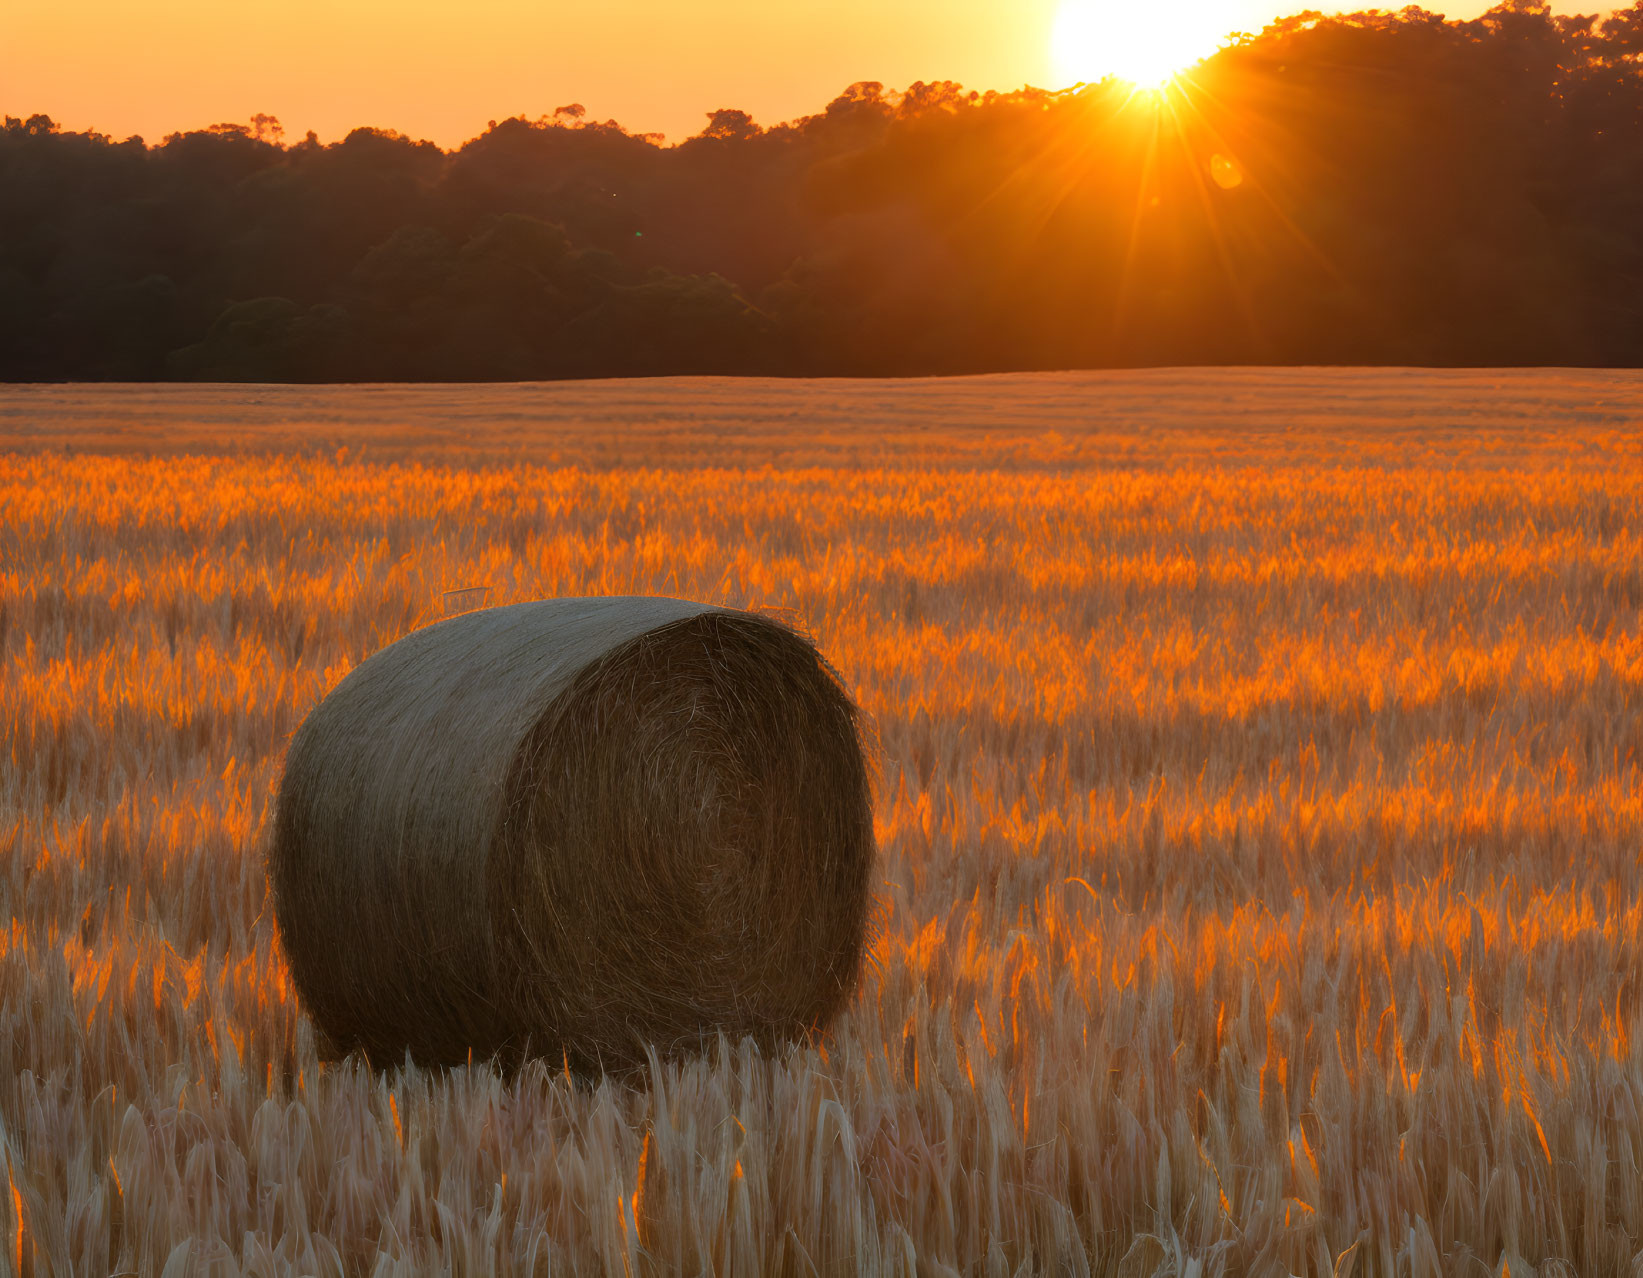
(1259, 808)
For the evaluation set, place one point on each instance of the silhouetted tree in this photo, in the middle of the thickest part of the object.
(729, 125)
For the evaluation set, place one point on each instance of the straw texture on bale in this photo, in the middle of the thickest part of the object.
(575, 828)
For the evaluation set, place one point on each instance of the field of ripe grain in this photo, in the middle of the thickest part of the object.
(1259, 801)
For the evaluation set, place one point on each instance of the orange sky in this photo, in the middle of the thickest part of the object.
(440, 70)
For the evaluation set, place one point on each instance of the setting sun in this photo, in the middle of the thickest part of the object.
(1146, 44)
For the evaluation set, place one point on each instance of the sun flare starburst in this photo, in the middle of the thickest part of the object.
(1147, 44)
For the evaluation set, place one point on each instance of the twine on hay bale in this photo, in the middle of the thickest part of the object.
(575, 828)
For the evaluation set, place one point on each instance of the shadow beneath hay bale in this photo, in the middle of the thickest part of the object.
(577, 831)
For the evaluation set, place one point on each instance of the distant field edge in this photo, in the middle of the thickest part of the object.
(1137, 418)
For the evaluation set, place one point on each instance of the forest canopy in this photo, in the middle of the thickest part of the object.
(1380, 188)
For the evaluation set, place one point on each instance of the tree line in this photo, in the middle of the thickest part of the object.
(1367, 188)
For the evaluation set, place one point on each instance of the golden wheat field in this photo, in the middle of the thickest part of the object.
(1258, 801)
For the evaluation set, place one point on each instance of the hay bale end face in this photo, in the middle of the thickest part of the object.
(575, 828)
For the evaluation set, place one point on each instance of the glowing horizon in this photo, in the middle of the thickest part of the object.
(430, 70)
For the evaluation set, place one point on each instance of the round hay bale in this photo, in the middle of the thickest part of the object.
(575, 827)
